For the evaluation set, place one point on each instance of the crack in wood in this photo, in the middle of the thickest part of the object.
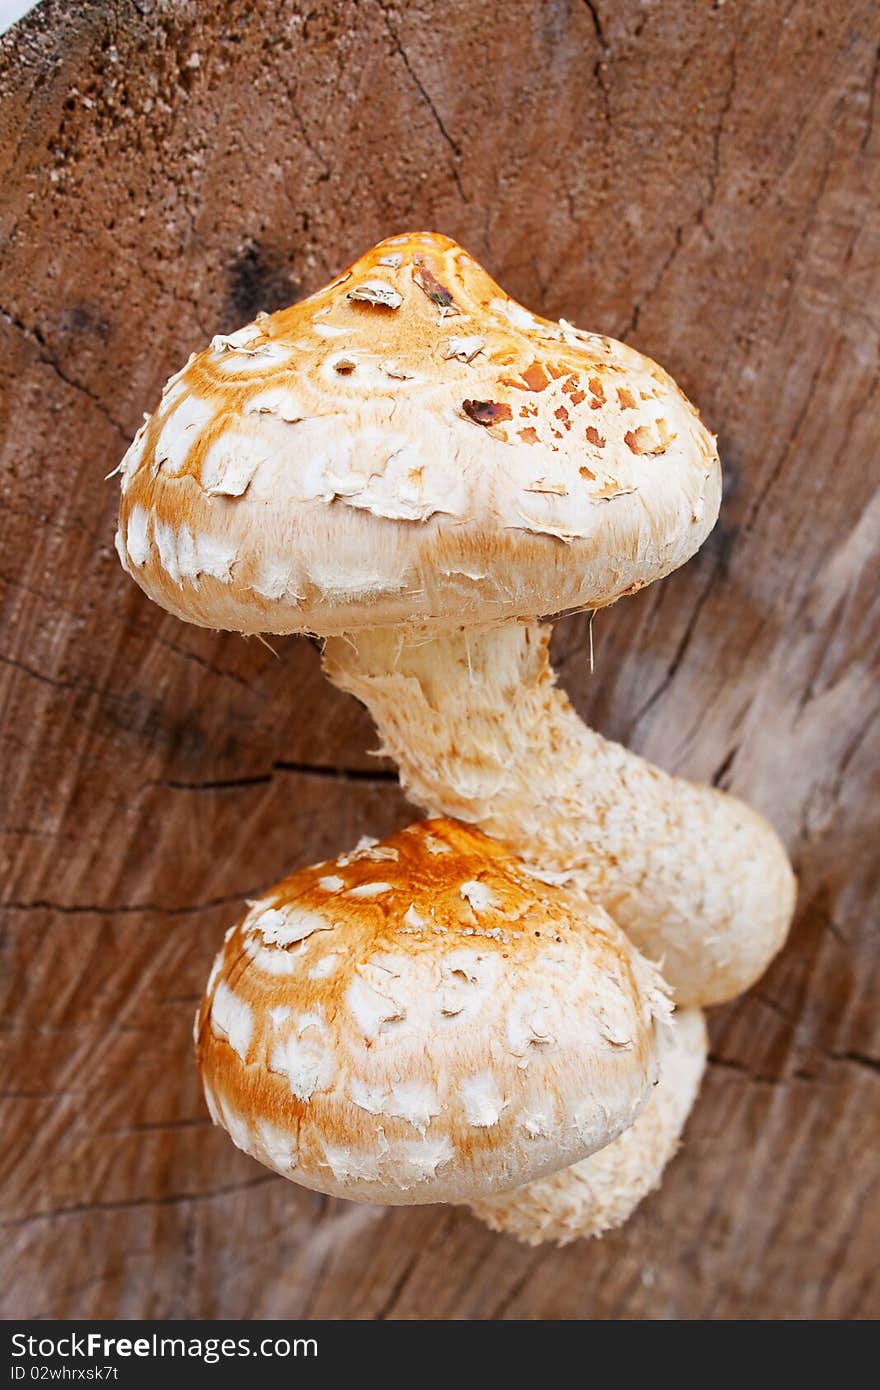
(48, 358)
(632, 322)
(122, 909)
(599, 67)
(299, 769)
(157, 1126)
(133, 1203)
(872, 101)
(809, 399)
(517, 1287)
(724, 112)
(41, 675)
(848, 1056)
(385, 1309)
(699, 219)
(719, 777)
(426, 97)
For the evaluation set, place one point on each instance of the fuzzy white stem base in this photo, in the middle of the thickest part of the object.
(481, 732)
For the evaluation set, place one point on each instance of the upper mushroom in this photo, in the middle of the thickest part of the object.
(267, 491)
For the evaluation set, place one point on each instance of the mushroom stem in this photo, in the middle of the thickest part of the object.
(480, 731)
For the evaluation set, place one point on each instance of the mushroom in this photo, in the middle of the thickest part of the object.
(412, 465)
(422, 1020)
(601, 1192)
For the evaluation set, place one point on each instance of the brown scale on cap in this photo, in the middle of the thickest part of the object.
(486, 412)
(424, 1020)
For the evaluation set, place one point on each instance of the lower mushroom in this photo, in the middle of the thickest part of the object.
(480, 731)
(422, 1020)
(602, 1192)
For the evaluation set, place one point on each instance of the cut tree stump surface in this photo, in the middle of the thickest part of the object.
(700, 180)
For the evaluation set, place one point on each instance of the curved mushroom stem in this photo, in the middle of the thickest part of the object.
(603, 1191)
(480, 731)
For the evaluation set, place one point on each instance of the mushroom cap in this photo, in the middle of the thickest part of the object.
(423, 1021)
(411, 446)
(601, 1192)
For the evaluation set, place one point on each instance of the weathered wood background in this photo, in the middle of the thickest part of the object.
(699, 178)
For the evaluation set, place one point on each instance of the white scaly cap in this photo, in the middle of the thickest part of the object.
(424, 1021)
(411, 446)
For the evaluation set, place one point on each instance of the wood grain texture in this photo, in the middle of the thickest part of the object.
(699, 179)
